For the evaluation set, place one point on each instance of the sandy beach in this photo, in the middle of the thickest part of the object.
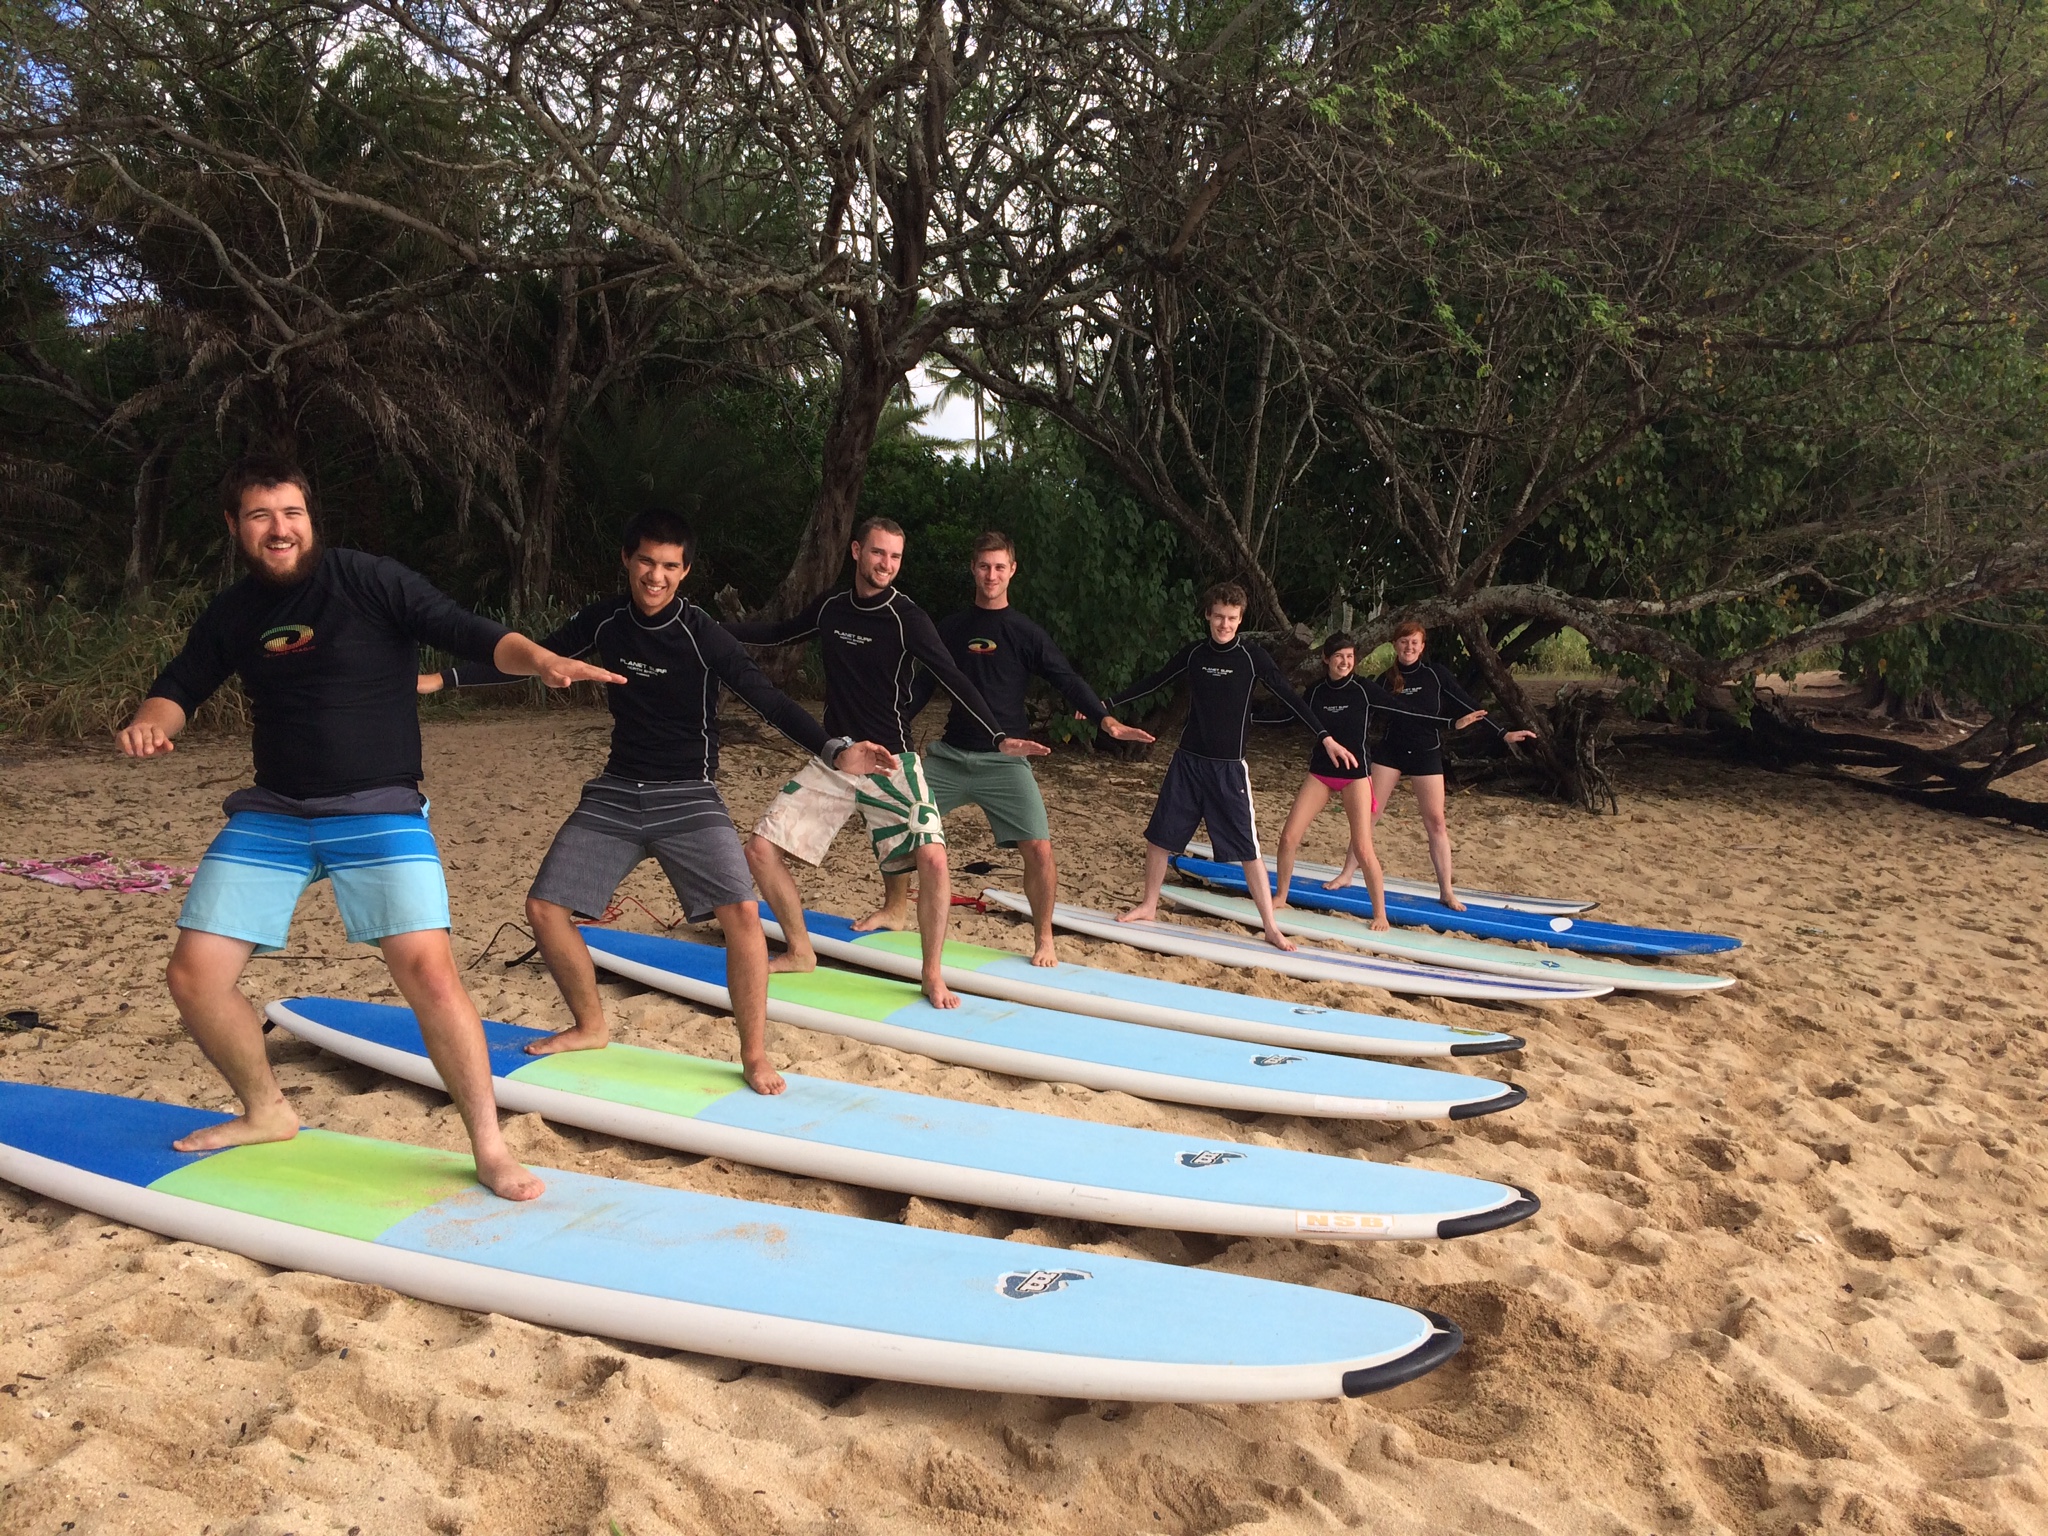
(1788, 1276)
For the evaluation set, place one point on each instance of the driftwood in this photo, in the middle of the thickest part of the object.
(1956, 778)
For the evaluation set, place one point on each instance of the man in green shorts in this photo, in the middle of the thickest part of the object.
(1001, 651)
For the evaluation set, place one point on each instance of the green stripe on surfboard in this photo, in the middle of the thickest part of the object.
(847, 992)
(967, 957)
(348, 1185)
(633, 1075)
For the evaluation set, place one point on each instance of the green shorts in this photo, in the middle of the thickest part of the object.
(1004, 788)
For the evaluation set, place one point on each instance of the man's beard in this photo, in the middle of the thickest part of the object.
(300, 569)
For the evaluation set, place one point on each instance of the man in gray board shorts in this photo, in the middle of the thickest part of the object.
(656, 797)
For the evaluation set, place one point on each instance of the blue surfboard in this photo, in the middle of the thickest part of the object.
(1578, 933)
(682, 1270)
(978, 1155)
(1065, 1047)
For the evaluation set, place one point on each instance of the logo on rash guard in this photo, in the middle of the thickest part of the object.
(1023, 1285)
(851, 639)
(982, 647)
(287, 638)
(1207, 1159)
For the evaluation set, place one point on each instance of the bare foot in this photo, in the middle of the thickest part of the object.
(582, 1038)
(504, 1176)
(762, 1077)
(792, 960)
(1337, 884)
(938, 994)
(274, 1122)
(895, 919)
(1045, 954)
(1452, 902)
(1278, 939)
(1379, 925)
(1143, 912)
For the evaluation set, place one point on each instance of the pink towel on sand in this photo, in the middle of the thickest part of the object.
(101, 872)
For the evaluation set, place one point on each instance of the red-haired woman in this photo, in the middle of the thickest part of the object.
(1413, 747)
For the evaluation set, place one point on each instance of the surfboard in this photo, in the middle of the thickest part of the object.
(1549, 906)
(1307, 963)
(1065, 1047)
(1434, 948)
(978, 1155)
(1144, 999)
(683, 1270)
(1487, 923)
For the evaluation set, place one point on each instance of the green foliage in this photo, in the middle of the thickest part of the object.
(68, 669)
(1994, 655)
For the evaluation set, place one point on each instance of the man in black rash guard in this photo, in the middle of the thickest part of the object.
(869, 636)
(1001, 651)
(1208, 779)
(656, 795)
(326, 644)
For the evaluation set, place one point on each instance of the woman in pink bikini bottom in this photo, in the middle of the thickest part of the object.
(1343, 702)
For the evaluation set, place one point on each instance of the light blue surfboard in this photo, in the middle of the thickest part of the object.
(1065, 1047)
(736, 1278)
(1007, 1158)
(1145, 999)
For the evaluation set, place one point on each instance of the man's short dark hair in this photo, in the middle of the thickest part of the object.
(658, 525)
(254, 471)
(992, 541)
(1339, 640)
(1228, 593)
(870, 525)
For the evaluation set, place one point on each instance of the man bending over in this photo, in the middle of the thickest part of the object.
(325, 642)
(656, 797)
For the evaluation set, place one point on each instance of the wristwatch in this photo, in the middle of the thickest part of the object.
(835, 746)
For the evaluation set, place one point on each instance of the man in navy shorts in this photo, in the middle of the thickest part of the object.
(1208, 779)
(326, 644)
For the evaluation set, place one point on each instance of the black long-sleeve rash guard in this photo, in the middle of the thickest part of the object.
(1427, 691)
(1220, 679)
(331, 668)
(665, 719)
(1345, 709)
(1001, 651)
(868, 646)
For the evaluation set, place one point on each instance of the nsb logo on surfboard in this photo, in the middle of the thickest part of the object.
(1022, 1285)
(1207, 1159)
(1273, 1061)
(286, 638)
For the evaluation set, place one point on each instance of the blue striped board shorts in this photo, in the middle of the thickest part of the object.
(386, 873)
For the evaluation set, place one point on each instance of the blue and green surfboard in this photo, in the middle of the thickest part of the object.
(683, 1270)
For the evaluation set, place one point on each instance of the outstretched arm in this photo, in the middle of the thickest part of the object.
(521, 657)
(150, 732)
(778, 631)
(1051, 663)
(572, 639)
(1268, 672)
(1172, 671)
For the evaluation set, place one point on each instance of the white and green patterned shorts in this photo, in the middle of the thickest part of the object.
(900, 812)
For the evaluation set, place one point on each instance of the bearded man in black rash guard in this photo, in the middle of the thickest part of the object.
(326, 642)
(1208, 779)
(870, 636)
(657, 797)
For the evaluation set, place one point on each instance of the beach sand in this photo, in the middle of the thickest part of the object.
(1788, 1275)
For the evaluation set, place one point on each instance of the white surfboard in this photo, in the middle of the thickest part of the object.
(1308, 964)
